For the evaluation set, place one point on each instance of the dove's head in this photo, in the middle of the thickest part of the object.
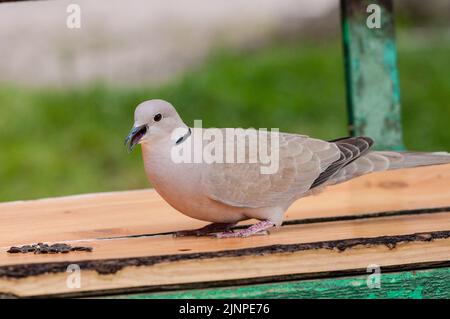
(153, 120)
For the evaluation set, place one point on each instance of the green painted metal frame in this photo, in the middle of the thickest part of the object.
(421, 284)
(372, 80)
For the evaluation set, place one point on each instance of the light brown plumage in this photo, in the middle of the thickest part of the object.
(305, 164)
(227, 193)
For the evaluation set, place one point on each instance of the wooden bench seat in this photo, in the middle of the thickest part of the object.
(397, 220)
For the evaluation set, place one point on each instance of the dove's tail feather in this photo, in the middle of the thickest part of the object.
(376, 161)
(414, 159)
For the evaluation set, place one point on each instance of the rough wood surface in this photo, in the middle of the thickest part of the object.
(422, 284)
(127, 231)
(144, 212)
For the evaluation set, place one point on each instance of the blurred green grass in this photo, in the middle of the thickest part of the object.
(68, 141)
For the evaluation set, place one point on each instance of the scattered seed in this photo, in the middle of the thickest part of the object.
(41, 248)
(14, 250)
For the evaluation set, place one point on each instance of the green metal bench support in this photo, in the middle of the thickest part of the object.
(372, 81)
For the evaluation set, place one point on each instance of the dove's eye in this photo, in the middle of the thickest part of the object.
(157, 117)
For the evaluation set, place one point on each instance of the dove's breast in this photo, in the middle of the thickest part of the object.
(179, 184)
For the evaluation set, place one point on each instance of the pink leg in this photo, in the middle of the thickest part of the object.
(254, 229)
(206, 230)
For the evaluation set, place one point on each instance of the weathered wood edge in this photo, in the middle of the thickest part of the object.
(420, 211)
(223, 284)
(305, 221)
(111, 266)
(417, 284)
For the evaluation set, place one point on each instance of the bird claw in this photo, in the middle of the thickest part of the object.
(217, 231)
(204, 231)
(260, 228)
(240, 234)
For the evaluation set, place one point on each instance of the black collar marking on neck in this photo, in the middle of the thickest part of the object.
(184, 137)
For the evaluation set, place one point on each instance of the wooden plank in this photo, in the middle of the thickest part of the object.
(144, 212)
(134, 250)
(293, 234)
(295, 249)
(422, 284)
(372, 80)
(180, 274)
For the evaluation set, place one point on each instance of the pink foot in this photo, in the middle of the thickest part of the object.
(207, 230)
(260, 227)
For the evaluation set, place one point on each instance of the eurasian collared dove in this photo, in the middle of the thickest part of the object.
(225, 193)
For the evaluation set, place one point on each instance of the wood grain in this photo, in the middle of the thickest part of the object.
(422, 284)
(309, 233)
(230, 268)
(237, 267)
(144, 212)
(93, 219)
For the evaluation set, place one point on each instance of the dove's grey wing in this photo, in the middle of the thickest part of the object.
(303, 161)
(351, 148)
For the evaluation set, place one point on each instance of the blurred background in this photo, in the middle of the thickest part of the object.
(67, 96)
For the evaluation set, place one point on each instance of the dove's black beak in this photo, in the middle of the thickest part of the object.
(136, 134)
